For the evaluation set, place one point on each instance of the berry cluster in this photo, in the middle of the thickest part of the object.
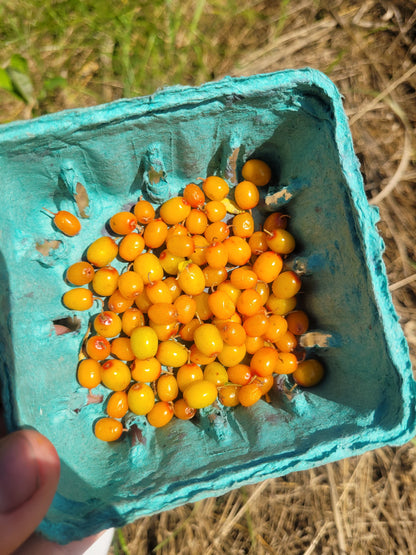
(204, 309)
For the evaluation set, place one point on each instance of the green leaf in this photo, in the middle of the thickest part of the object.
(22, 85)
(5, 81)
(19, 63)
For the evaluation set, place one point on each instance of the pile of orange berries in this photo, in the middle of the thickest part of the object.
(203, 310)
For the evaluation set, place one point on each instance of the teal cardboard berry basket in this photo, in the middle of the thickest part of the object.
(96, 161)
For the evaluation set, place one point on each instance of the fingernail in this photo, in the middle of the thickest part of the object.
(18, 472)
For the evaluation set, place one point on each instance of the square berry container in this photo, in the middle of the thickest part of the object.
(97, 161)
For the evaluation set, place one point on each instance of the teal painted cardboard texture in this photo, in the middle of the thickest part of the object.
(154, 146)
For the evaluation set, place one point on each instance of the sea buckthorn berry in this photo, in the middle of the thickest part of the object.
(268, 266)
(228, 395)
(171, 353)
(131, 318)
(232, 292)
(177, 229)
(165, 331)
(258, 243)
(155, 233)
(215, 188)
(249, 394)
(78, 299)
(215, 373)
(309, 373)
(187, 374)
(276, 328)
(160, 415)
(197, 357)
(146, 370)
(144, 342)
(102, 251)
(239, 252)
(221, 305)
(216, 255)
(297, 322)
(105, 281)
(175, 210)
(263, 362)
(232, 333)
(202, 310)
(265, 383)
(130, 284)
(115, 375)
(117, 405)
(286, 363)
(249, 302)
(142, 301)
(197, 222)
(118, 303)
(147, 265)
(215, 211)
(89, 373)
(263, 290)
(131, 246)
(162, 313)
(66, 222)
(232, 354)
(173, 288)
(243, 225)
(287, 342)
(187, 330)
(256, 325)
(281, 241)
(121, 348)
(144, 211)
(200, 394)
(180, 245)
(170, 262)
(218, 231)
(182, 410)
(257, 171)
(140, 398)
(191, 280)
(185, 307)
(234, 318)
(276, 220)
(194, 195)
(167, 387)
(246, 195)
(280, 306)
(123, 223)
(108, 429)
(158, 292)
(200, 244)
(208, 340)
(97, 347)
(80, 273)
(214, 276)
(254, 344)
(240, 374)
(243, 278)
(286, 285)
(107, 324)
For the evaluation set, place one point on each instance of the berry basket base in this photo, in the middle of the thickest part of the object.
(96, 161)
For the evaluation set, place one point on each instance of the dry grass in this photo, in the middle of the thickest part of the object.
(367, 504)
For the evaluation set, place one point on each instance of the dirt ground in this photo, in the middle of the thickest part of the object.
(365, 504)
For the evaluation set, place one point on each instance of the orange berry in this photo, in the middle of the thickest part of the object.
(131, 246)
(165, 331)
(117, 405)
(162, 313)
(228, 395)
(170, 262)
(80, 273)
(149, 268)
(246, 195)
(89, 373)
(254, 344)
(216, 373)
(258, 243)
(263, 290)
(243, 278)
(160, 415)
(102, 251)
(155, 233)
(144, 212)
(208, 340)
(123, 223)
(268, 266)
(239, 252)
(187, 374)
(240, 374)
(286, 285)
(203, 310)
(182, 410)
(146, 370)
(232, 333)
(297, 322)
(115, 375)
(175, 210)
(309, 373)
(249, 302)
(191, 280)
(280, 306)
(200, 394)
(78, 299)
(187, 330)
(200, 244)
(107, 324)
(217, 231)
(118, 303)
(131, 318)
(286, 363)
(105, 281)
(173, 286)
(257, 171)
(276, 220)
(216, 255)
(221, 305)
(194, 195)
(243, 225)
(214, 276)
(215, 188)
(167, 387)
(281, 241)
(144, 342)
(215, 211)
(249, 394)
(185, 308)
(287, 342)
(130, 284)
(197, 222)
(142, 302)
(256, 325)
(97, 347)
(140, 398)
(108, 429)
(199, 358)
(232, 291)
(232, 354)
(263, 362)
(177, 229)
(180, 245)
(120, 348)
(171, 353)
(67, 223)
(276, 328)
(265, 383)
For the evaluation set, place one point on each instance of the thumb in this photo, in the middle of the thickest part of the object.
(29, 475)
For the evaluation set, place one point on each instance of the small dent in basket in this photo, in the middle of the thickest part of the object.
(82, 200)
(46, 246)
